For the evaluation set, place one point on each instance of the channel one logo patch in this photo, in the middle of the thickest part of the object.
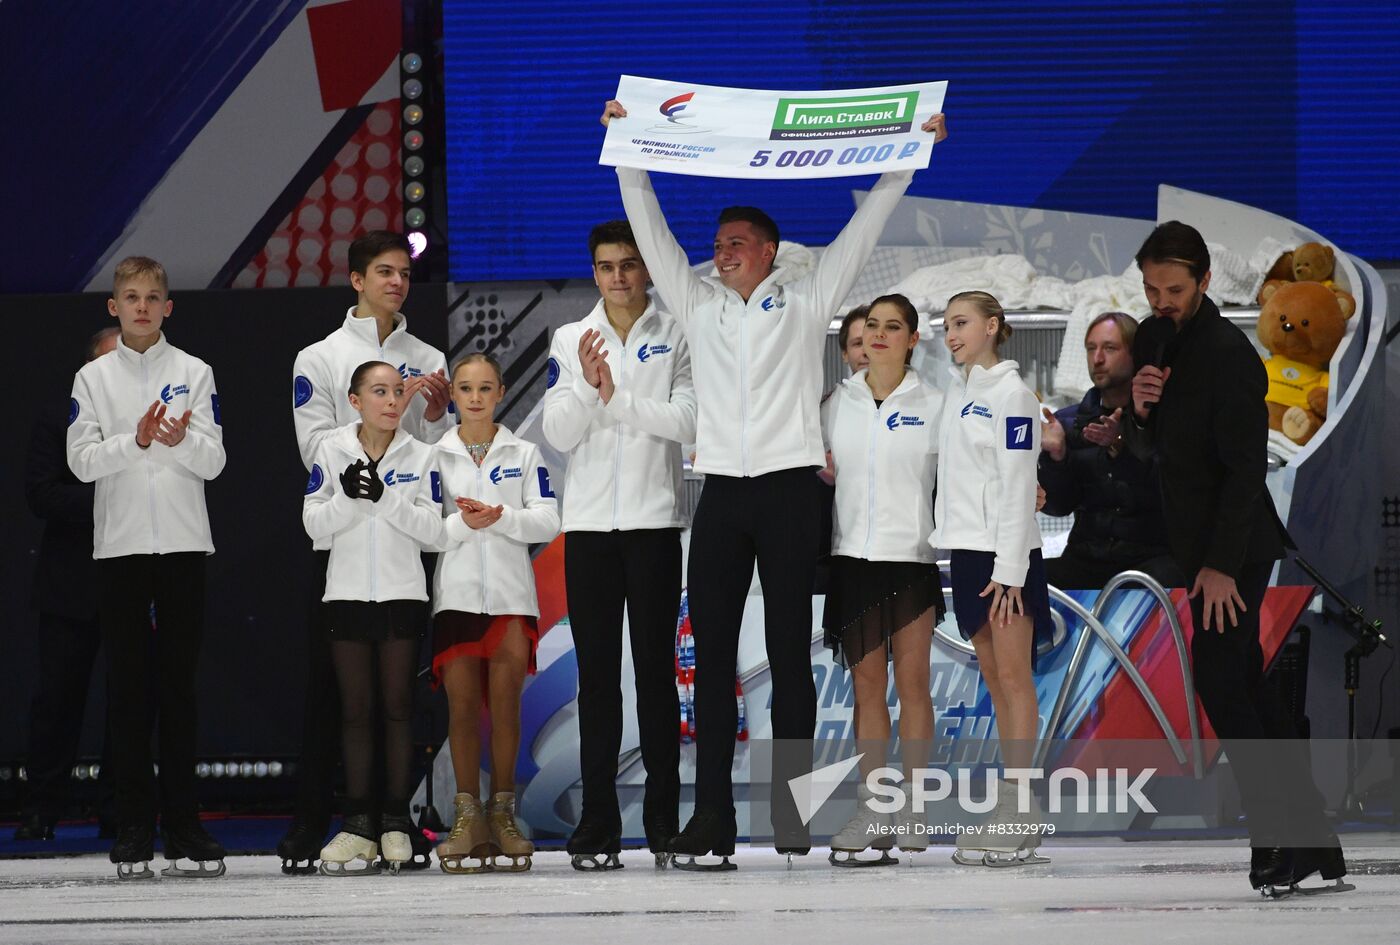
(857, 116)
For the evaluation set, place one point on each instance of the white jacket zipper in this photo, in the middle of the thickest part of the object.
(870, 484)
(480, 538)
(150, 470)
(744, 391)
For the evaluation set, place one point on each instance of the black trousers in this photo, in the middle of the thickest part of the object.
(1076, 571)
(67, 650)
(152, 652)
(320, 723)
(1249, 715)
(603, 571)
(774, 520)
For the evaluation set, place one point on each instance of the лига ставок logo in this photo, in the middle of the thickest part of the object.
(849, 116)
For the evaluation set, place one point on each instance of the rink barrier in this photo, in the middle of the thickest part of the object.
(1092, 622)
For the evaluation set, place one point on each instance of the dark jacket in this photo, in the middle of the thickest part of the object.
(1116, 501)
(1209, 435)
(64, 576)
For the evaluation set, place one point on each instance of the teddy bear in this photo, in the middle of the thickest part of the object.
(1301, 325)
(1310, 262)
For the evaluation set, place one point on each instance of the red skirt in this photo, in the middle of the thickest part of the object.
(457, 634)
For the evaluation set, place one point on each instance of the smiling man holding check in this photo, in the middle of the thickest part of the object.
(756, 340)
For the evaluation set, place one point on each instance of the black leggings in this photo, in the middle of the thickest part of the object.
(372, 675)
(774, 520)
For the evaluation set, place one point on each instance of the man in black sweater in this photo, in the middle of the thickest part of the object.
(1198, 409)
(1114, 496)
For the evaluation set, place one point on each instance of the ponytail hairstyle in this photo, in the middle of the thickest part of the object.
(482, 356)
(357, 379)
(988, 307)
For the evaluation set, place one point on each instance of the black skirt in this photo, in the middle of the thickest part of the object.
(376, 621)
(867, 601)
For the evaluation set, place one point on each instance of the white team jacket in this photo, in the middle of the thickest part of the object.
(488, 570)
(321, 381)
(148, 501)
(757, 365)
(987, 452)
(625, 468)
(375, 546)
(886, 465)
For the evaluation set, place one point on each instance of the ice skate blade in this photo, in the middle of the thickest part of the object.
(687, 862)
(128, 871)
(595, 862)
(851, 861)
(1022, 857)
(663, 860)
(453, 864)
(306, 867)
(998, 860)
(371, 868)
(518, 864)
(202, 870)
(1338, 886)
(419, 861)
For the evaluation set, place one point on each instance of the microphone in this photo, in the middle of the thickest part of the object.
(1154, 336)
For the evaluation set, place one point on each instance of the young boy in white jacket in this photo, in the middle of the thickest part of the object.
(984, 515)
(498, 501)
(144, 425)
(373, 494)
(621, 401)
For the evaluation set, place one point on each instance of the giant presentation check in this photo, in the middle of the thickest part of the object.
(710, 131)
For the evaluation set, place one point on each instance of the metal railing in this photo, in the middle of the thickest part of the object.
(1094, 628)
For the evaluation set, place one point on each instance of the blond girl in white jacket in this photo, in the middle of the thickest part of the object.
(498, 501)
(984, 515)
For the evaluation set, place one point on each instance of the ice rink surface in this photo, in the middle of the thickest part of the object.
(1112, 892)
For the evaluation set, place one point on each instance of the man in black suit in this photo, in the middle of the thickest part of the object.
(65, 595)
(1198, 407)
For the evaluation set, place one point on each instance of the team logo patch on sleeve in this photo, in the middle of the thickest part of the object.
(552, 375)
(317, 480)
(545, 489)
(301, 391)
(72, 410)
(435, 481)
(214, 402)
(1018, 433)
